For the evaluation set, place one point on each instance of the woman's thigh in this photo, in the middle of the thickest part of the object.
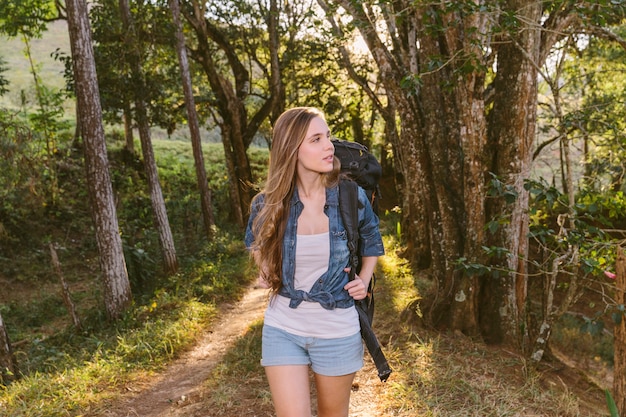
(333, 395)
(291, 393)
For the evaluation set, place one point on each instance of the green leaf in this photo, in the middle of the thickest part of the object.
(611, 403)
(617, 317)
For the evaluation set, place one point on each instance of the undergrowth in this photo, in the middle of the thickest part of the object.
(70, 371)
(442, 374)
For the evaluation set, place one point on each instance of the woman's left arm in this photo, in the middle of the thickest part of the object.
(368, 264)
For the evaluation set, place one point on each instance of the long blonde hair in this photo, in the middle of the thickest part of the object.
(270, 223)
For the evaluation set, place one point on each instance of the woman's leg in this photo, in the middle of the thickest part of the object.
(290, 389)
(333, 395)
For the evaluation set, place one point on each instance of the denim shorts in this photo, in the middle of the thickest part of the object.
(328, 357)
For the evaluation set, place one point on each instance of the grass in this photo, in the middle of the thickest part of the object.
(64, 372)
(90, 368)
(81, 378)
(435, 374)
(441, 374)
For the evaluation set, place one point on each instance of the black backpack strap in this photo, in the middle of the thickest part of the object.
(349, 209)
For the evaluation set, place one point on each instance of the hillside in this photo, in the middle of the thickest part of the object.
(19, 72)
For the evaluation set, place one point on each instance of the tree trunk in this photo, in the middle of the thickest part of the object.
(194, 126)
(117, 294)
(512, 124)
(162, 224)
(619, 336)
(441, 146)
(8, 364)
(129, 140)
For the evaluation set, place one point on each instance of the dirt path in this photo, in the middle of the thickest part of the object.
(178, 390)
(184, 378)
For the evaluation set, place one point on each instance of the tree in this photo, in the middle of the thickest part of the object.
(141, 114)
(194, 128)
(221, 47)
(572, 255)
(463, 78)
(154, 49)
(29, 21)
(114, 79)
(117, 295)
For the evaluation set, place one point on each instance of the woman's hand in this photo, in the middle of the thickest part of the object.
(357, 288)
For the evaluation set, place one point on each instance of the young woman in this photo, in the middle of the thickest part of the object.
(297, 239)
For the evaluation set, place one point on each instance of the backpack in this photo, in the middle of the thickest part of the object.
(361, 168)
(358, 164)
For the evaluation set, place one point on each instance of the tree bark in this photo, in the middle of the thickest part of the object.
(441, 146)
(162, 224)
(194, 126)
(511, 134)
(619, 336)
(117, 294)
(129, 140)
(8, 364)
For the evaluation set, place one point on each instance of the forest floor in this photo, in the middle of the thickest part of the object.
(188, 386)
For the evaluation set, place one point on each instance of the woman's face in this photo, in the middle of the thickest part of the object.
(316, 151)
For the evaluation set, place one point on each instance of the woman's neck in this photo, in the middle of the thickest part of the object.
(311, 186)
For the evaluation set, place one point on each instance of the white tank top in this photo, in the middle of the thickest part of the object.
(310, 319)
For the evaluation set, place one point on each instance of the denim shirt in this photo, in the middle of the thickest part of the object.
(328, 289)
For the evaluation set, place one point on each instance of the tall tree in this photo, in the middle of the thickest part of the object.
(462, 77)
(141, 114)
(226, 50)
(194, 126)
(117, 294)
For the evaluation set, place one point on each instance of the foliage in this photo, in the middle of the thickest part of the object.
(587, 108)
(591, 216)
(27, 17)
(28, 220)
(109, 355)
(3, 81)
(161, 89)
(435, 374)
(445, 374)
